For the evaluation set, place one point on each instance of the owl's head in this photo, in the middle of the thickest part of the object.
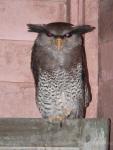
(59, 35)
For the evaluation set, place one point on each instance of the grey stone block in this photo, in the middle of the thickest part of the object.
(38, 134)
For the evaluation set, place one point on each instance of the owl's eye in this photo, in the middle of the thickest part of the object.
(50, 34)
(68, 35)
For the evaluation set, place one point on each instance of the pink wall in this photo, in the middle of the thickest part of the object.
(105, 103)
(16, 82)
(91, 43)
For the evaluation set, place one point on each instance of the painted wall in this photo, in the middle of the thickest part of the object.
(105, 103)
(17, 94)
(91, 44)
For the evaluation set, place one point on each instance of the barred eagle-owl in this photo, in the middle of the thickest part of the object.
(59, 67)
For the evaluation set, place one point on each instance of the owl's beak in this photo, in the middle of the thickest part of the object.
(59, 43)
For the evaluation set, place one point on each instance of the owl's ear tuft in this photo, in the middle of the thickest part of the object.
(36, 28)
(82, 29)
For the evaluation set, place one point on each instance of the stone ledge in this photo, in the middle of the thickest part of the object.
(24, 133)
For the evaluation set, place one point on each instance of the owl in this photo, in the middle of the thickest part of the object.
(59, 67)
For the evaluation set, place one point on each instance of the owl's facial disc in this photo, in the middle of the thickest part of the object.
(58, 40)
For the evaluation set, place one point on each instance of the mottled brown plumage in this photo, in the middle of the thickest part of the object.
(59, 67)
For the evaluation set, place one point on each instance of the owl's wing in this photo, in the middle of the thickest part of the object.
(35, 64)
(88, 96)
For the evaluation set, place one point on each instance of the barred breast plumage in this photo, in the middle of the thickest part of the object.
(60, 91)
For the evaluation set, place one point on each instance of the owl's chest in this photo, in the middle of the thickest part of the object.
(60, 80)
(59, 90)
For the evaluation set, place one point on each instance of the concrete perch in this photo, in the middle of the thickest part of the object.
(37, 134)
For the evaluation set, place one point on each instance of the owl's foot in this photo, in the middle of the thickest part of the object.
(60, 117)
